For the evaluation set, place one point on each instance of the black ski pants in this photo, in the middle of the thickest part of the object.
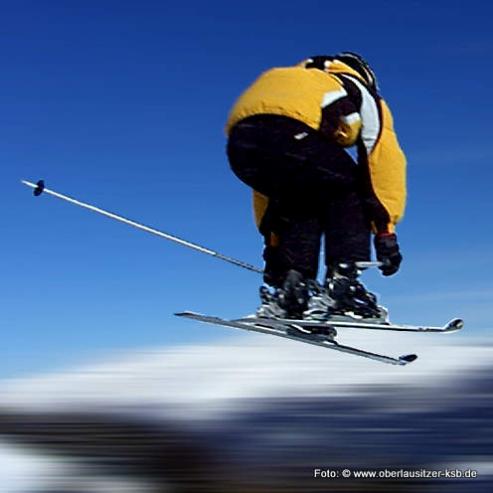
(314, 189)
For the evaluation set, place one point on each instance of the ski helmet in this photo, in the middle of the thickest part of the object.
(358, 63)
(321, 62)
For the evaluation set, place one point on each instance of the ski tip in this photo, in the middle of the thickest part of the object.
(40, 186)
(185, 314)
(454, 324)
(408, 358)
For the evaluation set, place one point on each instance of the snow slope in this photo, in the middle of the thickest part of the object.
(199, 379)
(256, 377)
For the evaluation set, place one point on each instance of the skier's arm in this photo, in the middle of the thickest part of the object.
(382, 161)
(260, 203)
(385, 165)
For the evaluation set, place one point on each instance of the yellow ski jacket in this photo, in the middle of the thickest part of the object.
(337, 102)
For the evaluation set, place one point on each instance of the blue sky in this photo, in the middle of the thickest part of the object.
(123, 103)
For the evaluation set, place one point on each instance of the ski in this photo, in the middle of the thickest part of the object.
(297, 332)
(342, 321)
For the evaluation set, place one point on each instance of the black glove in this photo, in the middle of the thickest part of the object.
(387, 250)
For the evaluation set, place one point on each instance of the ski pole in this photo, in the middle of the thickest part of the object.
(40, 188)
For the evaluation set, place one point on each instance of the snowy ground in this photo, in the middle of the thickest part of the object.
(22, 471)
(193, 384)
(208, 378)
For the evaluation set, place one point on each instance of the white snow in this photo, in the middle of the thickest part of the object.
(203, 380)
(22, 471)
(206, 380)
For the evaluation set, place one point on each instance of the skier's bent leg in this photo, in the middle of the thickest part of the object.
(347, 228)
(347, 241)
(291, 255)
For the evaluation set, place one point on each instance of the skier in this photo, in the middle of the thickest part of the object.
(287, 135)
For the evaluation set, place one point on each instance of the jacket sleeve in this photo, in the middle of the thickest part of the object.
(260, 203)
(387, 174)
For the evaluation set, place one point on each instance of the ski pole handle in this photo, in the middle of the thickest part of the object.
(368, 265)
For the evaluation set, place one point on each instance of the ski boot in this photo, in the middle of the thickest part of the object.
(320, 305)
(270, 306)
(349, 296)
(289, 301)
